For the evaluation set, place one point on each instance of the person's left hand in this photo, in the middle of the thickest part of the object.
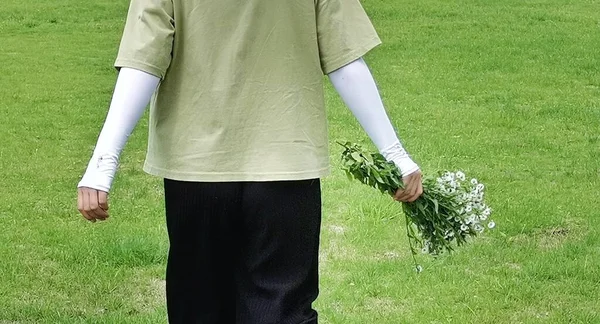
(413, 187)
(92, 204)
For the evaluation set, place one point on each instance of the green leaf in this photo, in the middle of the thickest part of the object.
(349, 175)
(377, 176)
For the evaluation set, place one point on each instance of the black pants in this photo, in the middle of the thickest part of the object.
(243, 253)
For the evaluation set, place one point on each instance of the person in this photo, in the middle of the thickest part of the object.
(238, 132)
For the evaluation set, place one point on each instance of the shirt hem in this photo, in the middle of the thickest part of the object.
(349, 57)
(235, 176)
(138, 65)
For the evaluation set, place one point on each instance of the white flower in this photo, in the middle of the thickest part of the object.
(471, 219)
(477, 197)
(460, 176)
(480, 187)
(478, 228)
(424, 250)
(468, 209)
(419, 269)
(464, 227)
(491, 224)
(448, 176)
(474, 181)
(487, 211)
(483, 217)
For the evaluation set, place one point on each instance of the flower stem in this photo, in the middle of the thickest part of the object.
(410, 243)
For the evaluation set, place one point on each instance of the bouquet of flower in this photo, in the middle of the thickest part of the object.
(451, 209)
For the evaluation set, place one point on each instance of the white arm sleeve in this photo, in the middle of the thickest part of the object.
(132, 94)
(358, 90)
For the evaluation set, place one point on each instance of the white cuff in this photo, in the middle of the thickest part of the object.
(100, 172)
(397, 154)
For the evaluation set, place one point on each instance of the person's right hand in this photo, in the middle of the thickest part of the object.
(413, 188)
(92, 204)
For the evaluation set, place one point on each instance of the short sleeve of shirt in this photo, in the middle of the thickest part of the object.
(345, 33)
(147, 40)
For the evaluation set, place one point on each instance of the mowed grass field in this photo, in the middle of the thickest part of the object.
(507, 91)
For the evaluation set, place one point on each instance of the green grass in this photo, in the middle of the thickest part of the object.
(508, 91)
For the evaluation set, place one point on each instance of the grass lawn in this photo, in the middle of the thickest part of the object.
(507, 91)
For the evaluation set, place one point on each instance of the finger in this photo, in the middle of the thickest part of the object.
(412, 198)
(402, 196)
(398, 194)
(94, 207)
(92, 202)
(80, 205)
(412, 185)
(418, 189)
(406, 193)
(79, 201)
(85, 210)
(103, 200)
(417, 195)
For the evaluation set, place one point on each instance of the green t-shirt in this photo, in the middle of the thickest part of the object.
(241, 96)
